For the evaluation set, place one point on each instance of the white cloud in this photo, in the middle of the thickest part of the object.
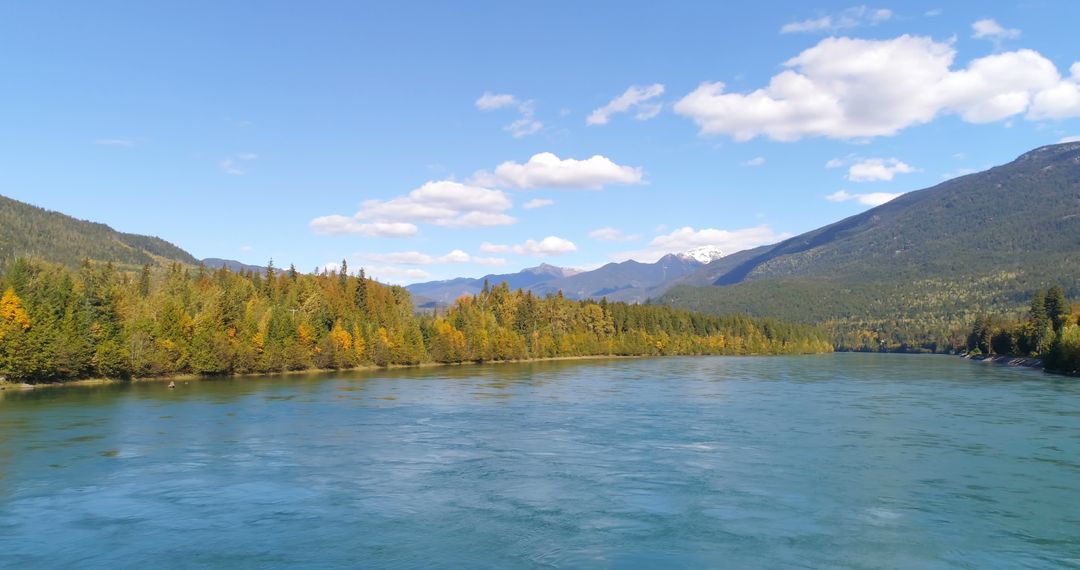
(115, 142)
(756, 161)
(850, 18)
(546, 170)
(490, 101)
(342, 225)
(875, 169)
(990, 29)
(687, 238)
(537, 203)
(1071, 139)
(525, 125)
(547, 247)
(933, 13)
(634, 97)
(868, 199)
(442, 203)
(416, 258)
(246, 248)
(234, 164)
(391, 274)
(1060, 101)
(847, 88)
(612, 234)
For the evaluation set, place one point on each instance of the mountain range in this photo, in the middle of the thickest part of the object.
(904, 273)
(630, 281)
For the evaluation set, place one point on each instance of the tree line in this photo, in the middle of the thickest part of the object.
(59, 324)
(1049, 331)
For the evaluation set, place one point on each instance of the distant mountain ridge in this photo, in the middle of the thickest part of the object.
(630, 281)
(232, 265)
(446, 291)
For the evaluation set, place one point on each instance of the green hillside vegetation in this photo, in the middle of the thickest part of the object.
(29, 231)
(1049, 331)
(913, 274)
(57, 324)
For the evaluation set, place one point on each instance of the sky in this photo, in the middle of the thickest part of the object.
(430, 140)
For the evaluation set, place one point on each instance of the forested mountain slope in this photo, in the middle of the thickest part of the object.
(29, 231)
(912, 270)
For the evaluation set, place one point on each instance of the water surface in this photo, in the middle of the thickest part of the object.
(839, 461)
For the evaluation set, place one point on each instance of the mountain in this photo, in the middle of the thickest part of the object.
(231, 265)
(916, 267)
(703, 254)
(630, 281)
(445, 292)
(29, 231)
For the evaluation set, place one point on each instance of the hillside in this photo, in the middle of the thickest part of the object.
(915, 268)
(29, 231)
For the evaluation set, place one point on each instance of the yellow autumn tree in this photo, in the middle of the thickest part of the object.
(12, 313)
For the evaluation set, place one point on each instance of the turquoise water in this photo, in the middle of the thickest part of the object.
(837, 461)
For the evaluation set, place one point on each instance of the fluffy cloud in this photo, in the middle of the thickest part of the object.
(875, 169)
(341, 225)
(545, 170)
(525, 125)
(441, 203)
(391, 274)
(547, 247)
(846, 19)
(637, 98)
(868, 199)
(1071, 139)
(1060, 101)
(756, 161)
(847, 88)
(612, 234)
(687, 238)
(990, 29)
(417, 258)
(537, 203)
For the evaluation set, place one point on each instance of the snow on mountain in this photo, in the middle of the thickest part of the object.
(703, 254)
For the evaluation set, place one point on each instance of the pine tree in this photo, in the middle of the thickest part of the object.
(144, 281)
(1056, 306)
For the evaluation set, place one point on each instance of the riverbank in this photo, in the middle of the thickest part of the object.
(4, 385)
(1024, 361)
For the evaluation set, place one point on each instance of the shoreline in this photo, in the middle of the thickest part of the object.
(1023, 361)
(188, 377)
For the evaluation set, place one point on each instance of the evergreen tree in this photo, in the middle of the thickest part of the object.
(1057, 307)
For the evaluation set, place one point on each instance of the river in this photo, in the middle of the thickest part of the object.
(832, 461)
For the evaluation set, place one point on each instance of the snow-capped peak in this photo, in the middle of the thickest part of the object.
(703, 254)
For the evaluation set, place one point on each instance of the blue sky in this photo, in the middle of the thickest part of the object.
(433, 140)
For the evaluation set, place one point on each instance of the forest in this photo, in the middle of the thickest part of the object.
(1050, 331)
(101, 321)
